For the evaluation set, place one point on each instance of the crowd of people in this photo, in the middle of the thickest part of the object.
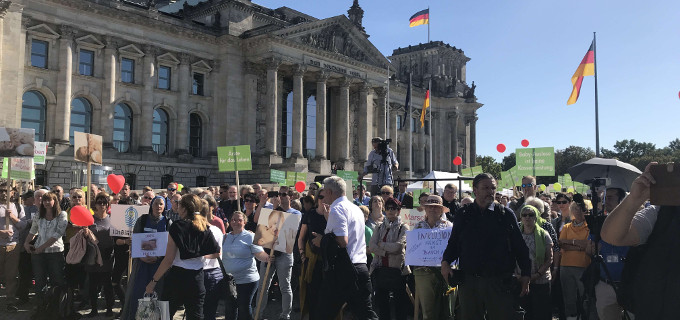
(521, 255)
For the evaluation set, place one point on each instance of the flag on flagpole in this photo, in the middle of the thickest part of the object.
(407, 104)
(420, 18)
(586, 68)
(426, 105)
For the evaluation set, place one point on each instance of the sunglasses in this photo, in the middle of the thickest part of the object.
(77, 197)
(172, 189)
(528, 215)
(320, 197)
(562, 202)
(147, 198)
(391, 208)
(283, 194)
(528, 185)
(386, 193)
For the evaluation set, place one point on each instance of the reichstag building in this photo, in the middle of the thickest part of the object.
(165, 83)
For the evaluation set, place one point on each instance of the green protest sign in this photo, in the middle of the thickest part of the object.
(277, 176)
(476, 170)
(293, 177)
(467, 172)
(5, 167)
(515, 176)
(538, 162)
(348, 175)
(234, 158)
(416, 196)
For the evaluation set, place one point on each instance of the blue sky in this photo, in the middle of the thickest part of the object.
(524, 54)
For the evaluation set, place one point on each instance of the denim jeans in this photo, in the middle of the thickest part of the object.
(283, 265)
(214, 291)
(47, 265)
(242, 309)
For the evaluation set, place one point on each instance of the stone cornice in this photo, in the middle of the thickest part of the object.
(4, 6)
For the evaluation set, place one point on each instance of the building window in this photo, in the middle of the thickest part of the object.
(201, 181)
(127, 70)
(33, 109)
(399, 122)
(131, 179)
(166, 179)
(39, 50)
(40, 176)
(287, 127)
(427, 127)
(195, 134)
(197, 87)
(426, 165)
(310, 129)
(164, 74)
(86, 62)
(81, 117)
(413, 125)
(159, 132)
(122, 127)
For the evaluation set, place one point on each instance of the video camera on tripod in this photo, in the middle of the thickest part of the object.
(382, 147)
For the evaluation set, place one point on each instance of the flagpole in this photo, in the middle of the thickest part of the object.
(429, 124)
(597, 121)
(387, 103)
(410, 131)
(428, 24)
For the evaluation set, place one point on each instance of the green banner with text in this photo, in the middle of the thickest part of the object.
(234, 158)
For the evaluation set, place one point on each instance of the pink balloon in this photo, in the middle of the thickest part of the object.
(500, 147)
(80, 216)
(115, 182)
(525, 143)
(300, 186)
(457, 161)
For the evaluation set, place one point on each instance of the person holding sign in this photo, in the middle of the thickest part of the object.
(430, 285)
(388, 269)
(487, 240)
(190, 240)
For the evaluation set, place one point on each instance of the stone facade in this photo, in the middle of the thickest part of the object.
(306, 94)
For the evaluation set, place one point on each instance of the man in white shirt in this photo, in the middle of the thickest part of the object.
(346, 221)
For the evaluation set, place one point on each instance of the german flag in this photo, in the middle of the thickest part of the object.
(420, 18)
(586, 68)
(426, 105)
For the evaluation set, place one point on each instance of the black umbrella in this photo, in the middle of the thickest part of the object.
(620, 173)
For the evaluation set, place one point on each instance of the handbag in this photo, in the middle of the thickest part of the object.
(230, 281)
(148, 308)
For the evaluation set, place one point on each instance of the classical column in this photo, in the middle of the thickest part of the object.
(468, 156)
(272, 100)
(63, 116)
(453, 121)
(381, 92)
(149, 79)
(321, 134)
(445, 142)
(342, 136)
(251, 71)
(109, 92)
(364, 118)
(394, 134)
(182, 142)
(473, 139)
(298, 107)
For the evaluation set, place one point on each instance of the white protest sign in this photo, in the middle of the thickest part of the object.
(411, 217)
(278, 225)
(39, 152)
(22, 169)
(123, 218)
(151, 244)
(425, 247)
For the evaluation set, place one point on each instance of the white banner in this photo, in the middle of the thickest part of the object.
(123, 218)
(425, 247)
(151, 244)
(411, 217)
(278, 225)
(39, 152)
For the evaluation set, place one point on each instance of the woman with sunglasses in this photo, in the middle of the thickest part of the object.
(562, 200)
(144, 268)
(537, 302)
(250, 205)
(312, 268)
(47, 254)
(576, 250)
(388, 244)
(100, 276)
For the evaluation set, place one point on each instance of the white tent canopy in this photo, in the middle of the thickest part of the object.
(446, 178)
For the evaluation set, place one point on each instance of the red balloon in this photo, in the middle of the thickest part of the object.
(300, 186)
(525, 143)
(500, 147)
(457, 161)
(115, 182)
(80, 216)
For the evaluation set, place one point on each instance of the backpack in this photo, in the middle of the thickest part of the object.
(58, 304)
(650, 282)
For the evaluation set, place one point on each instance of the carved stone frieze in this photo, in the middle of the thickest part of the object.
(67, 32)
(335, 39)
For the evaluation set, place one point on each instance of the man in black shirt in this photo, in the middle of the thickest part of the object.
(450, 201)
(489, 244)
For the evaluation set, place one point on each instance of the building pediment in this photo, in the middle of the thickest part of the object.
(131, 50)
(90, 41)
(335, 35)
(201, 66)
(43, 30)
(168, 58)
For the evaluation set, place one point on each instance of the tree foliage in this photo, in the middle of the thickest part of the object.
(571, 156)
(509, 161)
(640, 154)
(489, 165)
